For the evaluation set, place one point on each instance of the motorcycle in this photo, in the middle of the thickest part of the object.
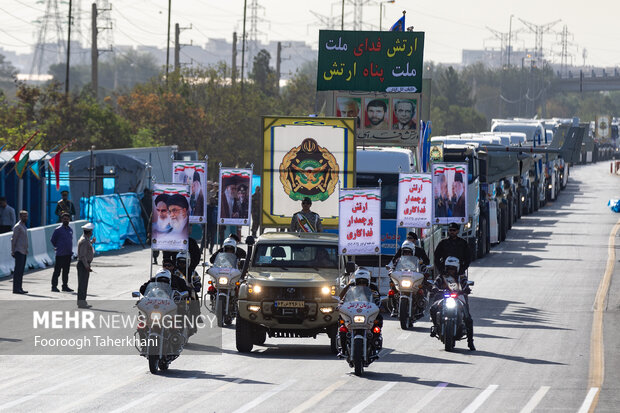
(162, 332)
(409, 285)
(450, 315)
(360, 327)
(224, 287)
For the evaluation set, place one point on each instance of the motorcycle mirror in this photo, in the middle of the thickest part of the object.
(242, 263)
(470, 283)
(135, 294)
(349, 267)
(249, 240)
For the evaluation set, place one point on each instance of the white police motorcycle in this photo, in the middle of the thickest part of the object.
(408, 294)
(223, 288)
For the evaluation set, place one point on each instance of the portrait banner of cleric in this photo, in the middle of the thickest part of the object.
(194, 174)
(170, 227)
(235, 203)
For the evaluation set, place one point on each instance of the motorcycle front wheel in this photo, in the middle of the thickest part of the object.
(153, 362)
(448, 338)
(358, 357)
(403, 314)
(219, 312)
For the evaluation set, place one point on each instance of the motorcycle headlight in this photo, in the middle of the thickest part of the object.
(450, 302)
(325, 290)
(155, 316)
(405, 283)
(522, 199)
(359, 319)
(222, 280)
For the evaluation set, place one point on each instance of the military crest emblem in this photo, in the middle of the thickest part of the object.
(309, 170)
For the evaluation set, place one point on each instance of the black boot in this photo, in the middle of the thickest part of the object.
(469, 325)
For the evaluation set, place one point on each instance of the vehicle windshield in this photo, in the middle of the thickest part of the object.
(158, 290)
(296, 256)
(225, 260)
(407, 263)
(389, 190)
(359, 293)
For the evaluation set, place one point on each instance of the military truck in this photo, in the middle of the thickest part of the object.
(290, 289)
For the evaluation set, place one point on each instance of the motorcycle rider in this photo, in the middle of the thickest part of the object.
(451, 266)
(229, 245)
(164, 276)
(193, 283)
(419, 252)
(361, 277)
(453, 246)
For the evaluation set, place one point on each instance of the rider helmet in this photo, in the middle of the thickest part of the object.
(162, 275)
(407, 246)
(452, 262)
(183, 256)
(362, 276)
(230, 245)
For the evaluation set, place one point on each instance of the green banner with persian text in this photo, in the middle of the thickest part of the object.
(370, 61)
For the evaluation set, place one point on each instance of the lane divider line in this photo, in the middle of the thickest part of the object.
(39, 393)
(597, 352)
(421, 404)
(197, 402)
(249, 406)
(148, 397)
(318, 397)
(482, 397)
(360, 407)
(588, 403)
(536, 398)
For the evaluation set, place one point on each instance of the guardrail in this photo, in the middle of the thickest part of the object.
(41, 253)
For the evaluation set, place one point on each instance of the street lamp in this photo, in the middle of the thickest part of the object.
(381, 11)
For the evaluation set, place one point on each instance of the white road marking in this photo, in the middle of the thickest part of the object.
(150, 396)
(404, 336)
(536, 398)
(482, 397)
(248, 406)
(197, 402)
(39, 393)
(317, 397)
(585, 407)
(11, 383)
(360, 407)
(428, 398)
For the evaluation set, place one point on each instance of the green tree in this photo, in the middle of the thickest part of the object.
(263, 76)
(8, 75)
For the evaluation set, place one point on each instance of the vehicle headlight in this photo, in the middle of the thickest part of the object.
(222, 280)
(256, 289)
(155, 316)
(405, 283)
(254, 308)
(326, 310)
(359, 319)
(450, 302)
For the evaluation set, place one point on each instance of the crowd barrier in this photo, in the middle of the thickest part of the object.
(40, 250)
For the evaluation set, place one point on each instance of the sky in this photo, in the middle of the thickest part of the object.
(449, 25)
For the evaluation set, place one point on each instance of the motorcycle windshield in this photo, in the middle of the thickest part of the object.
(358, 293)
(407, 263)
(225, 260)
(158, 290)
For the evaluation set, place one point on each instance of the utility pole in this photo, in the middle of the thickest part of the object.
(168, 41)
(233, 74)
(278, 62)
(94, 52)
(68, 51)
(177, 47)
(510, 38)
(245, 8)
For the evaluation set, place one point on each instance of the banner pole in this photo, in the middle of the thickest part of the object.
(205, 240)
(379, 269)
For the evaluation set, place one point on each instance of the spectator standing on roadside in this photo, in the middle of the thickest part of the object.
(7, 216)
(64, 205)
(86, 253)
(19, 250)
(256, 198)
(62, 240)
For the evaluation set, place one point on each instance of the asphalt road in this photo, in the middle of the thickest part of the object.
(533, 306)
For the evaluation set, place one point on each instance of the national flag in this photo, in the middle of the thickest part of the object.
(20, 167)
(18, 154)
(35, 167)
(399, 26)
(55, 163)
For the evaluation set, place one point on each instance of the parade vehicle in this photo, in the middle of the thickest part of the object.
(223, 287)
(409, 292)
(290, 289)
(162, 330)
(450, 316)
(360, 328)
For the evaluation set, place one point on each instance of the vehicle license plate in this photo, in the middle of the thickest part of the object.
(290, 304)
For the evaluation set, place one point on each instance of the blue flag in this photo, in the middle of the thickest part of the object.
(399, 26)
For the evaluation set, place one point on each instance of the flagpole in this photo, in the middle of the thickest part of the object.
(20, 150)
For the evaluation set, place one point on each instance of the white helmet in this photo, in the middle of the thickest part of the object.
(229, 242)
(362, 274)
(452, 262)
(183, 255)
(408, 245)
(162, 273)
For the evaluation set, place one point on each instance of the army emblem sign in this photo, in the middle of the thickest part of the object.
(305, 157)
